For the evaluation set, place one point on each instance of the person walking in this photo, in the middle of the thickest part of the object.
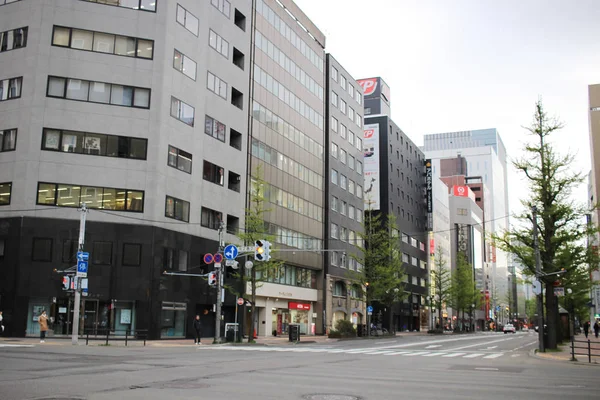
(43, 321)
(197, 329)
(596, 329)
(586, 328)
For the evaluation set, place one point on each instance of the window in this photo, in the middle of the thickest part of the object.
(235, 139)
(343, 181)
(187, 20)
(68, 195)
(233, 181)
(334, 176)
(334, 150)
(334, 98)
(343, 156)
(351, 211)
(222, 5)
(5, 193)
(334, 124)
(351, 90)
(233, 224)
(358, 144)
(351, 162)
(42, 250)
(177, 209)
(180, 159)
(334, 258)
(237, 98)
(334, 74)
(100, 42)
(218, 43)
(184, 64)
(210, 218)
(10, 88)
(140, 5)
(414, 242)
(359, 191)
(405, 258)
(102, 253)
(98, 92)
(213, 173)
(175, 260)
(414, 261)
(13, 39)
(216, 85)
(8, 140)
(214, 128)
(238, 58)
(343, 82)
(182, 111)
(351, 113)
(240, 20)
(132, 255)
(339, 289)
(358, 98)
(342, 106)
(94, 144)
(343, 207)
(359, 215)
(351, 137)
(351, 186)
(334, 203)
(334, 231)
(358, 120)
(343, 131)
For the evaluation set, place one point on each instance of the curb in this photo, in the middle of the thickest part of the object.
(533, 354)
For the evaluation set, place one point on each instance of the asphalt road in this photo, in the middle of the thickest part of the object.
(490, 366)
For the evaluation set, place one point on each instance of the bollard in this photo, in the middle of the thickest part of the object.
(572, 349)
(589, 352)
(126, 332)
(87, 338)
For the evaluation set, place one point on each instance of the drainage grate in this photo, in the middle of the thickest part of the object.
(323, 396)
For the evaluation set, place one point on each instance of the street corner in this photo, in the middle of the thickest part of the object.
(563, 356)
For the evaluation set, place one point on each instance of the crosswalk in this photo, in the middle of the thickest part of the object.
(368, 352)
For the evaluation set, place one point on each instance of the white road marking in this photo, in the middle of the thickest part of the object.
(418, 353)
(479, 344)
(380, 352)
(491, 347)
(494, 355)
(454, 354)
(358, 351)
(434, 354)
(396, 353)
(433, 346)
(486, 369)
(473, 355)
(16, 345)
(516, 355)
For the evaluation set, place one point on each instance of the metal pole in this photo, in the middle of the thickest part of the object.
(220, 274)
(76, 310)
(538, 275)
(235, 327)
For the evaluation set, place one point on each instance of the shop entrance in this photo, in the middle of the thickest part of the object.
(90, 317)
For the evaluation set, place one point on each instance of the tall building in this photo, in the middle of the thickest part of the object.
(139, 110)
(594, 189)
(485, 156)
(287, 147)
(343, 294)
(394, 184)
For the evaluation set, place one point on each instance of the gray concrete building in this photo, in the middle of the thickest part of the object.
(138, 109)
(343, 294)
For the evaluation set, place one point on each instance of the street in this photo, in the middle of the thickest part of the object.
(485, 365)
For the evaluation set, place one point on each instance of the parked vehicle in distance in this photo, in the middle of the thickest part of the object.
(509, 328)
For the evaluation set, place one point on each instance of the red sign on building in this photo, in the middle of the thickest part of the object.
(298, 306)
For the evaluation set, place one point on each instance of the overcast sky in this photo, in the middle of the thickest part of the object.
(472, 64)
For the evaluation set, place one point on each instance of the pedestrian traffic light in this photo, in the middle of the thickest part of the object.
(212, 279)
(262, 250)
(66, 282)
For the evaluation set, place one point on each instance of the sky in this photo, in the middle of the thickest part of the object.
(473, 64)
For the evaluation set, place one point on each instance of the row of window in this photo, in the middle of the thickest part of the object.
(351, 91)
(8, 140)
(344, 208)
(354, 116)
(261, 42)
(285, 129)
(140, 5)
(295, 239)
(98, 92)
(216, 174)
(413, 261)
(270, 16)
(101, 253)
(346, 158)
(101, 42)
(346, 184)
(98, 144)
(354, 140)
(13, 39)
(5, 193)
(287, 96)
(287, 200)
(413, 242)
(345, 235)
(69, 195)
(10, 88)
(289, 275)
(340, 259)
(286, 164)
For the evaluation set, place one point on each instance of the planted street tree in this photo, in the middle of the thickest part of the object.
(562, 224)
(441, 284)
(462, 288)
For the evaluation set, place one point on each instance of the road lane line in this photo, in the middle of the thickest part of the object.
(479, 344)
(442, 341)
(491, 347)
(434, 354)
(433, 346)
(380, 352)
(494, 355)
(418, 353)
(473, 355)
(396, 353)
(486, 369)
(454, 355)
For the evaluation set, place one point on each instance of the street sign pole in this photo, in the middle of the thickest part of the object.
(76, 311)
(220, 274)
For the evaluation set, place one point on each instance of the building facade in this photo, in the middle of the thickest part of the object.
(344, 295)
(139, 110)
(593, 189)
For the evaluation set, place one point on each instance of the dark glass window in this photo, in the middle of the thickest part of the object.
(211, 218)
(102, 253)
(213, 173)
(182, 160)
(177, 209)
(42, 250)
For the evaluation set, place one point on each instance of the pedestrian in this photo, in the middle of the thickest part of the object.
(197, 329)
(43, 321)
(586, 328)
(596, 329)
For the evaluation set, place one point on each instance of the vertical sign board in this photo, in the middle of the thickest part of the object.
(371, 192)
(429, 193)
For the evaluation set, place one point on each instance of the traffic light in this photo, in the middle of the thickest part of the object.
(212, 279)
(66, 282)
(262, 250)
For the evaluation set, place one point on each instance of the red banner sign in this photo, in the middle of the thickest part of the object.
(298, 306)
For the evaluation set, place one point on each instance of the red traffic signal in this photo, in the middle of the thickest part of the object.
(212, 279)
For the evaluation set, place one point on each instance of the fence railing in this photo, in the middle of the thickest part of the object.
(586, 348)
(108, 335)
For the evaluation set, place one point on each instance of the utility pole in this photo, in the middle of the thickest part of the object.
(76, 311)
(219, 270)
(538, 276)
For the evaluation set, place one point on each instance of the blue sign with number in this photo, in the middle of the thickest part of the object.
(82, 267)
(370, 309)
(83, 256)
(231, 252)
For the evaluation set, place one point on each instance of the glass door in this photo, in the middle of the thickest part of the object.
(90, 317)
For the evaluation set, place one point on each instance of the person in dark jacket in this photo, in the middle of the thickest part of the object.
(596, 329)
(586, 328)
(197, 329)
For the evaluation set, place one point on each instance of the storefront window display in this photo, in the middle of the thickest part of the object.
(299, 315)
(173, 317)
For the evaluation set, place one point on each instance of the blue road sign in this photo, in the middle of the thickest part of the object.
(83, 256)
(497, 308)
(231, 252)
(370, 309)
(208, 258)
(82, 268)
(218, 257)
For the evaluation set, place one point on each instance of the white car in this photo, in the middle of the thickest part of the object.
(509, 328)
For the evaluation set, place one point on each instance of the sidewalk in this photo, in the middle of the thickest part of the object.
(564, 352)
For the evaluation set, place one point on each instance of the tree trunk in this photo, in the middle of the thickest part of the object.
(440, 316)
(551, 317)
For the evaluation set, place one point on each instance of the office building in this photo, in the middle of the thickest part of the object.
(594, 189)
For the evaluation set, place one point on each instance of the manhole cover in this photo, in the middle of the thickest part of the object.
(330, 397)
